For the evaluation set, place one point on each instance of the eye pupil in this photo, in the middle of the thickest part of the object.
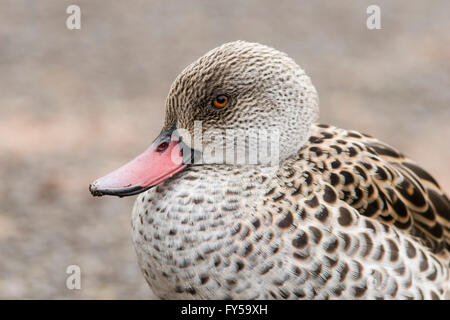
(220, 101)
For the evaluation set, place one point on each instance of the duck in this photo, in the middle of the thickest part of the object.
(303, 211)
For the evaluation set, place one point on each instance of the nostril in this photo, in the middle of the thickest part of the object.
(162, 146)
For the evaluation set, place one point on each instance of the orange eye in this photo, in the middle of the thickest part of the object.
(220, 101)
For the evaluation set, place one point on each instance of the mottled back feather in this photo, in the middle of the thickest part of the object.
(381, 183)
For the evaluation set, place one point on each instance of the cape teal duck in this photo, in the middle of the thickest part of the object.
(340, 215)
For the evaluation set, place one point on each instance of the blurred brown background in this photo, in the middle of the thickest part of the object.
(76, 104)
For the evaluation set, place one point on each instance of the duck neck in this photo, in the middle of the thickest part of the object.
(213, 190)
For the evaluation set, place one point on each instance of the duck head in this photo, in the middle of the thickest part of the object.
(224, 108)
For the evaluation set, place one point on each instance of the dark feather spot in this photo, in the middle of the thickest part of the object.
(301, 240)
(352, 152)
(266, 268)
(284, 294)
(316, 234)
(358, 195)
(331, 245)
(270, 192)
(393, 248)
(245, 232)
(348, 177)
(315, 271)
(312, 203)
(286, 221)
(403, 225)
(370, 191)
(357, 273)
(381, 174)
(354, 134)
(316, 150)
(256, 223)
(421, 173)
(411, 193)
(191, 290)
(410, 250)
(231, 282)
(423, 262)
(247, 249)
(394, 289)
(400, 209)
(239, 265)
(296, 271)
(347, 240)
(371, 209)
(337, 148)
(379, 253)
(179, 289)
(204, 279)
(387, 218)
(383, 150)
(279, 196)
(368, 245)
(345, 217)
(308, 178)
(198, 200)
(436, 230)
(440, 203)
(337, 291)
(274, 248)
(329, 195)
(343, 272)
(360, 171)
(315, 140)
(429, 214)
(322, 214)
(359, 291)
(297, 190)
(301, 255)
(300, 293)
(236, 228)
(335, 164)
(370, 226)
(326, 135)
(366, 165)
(217, 261)
(433, 275)
(302, 213)
(400, 270)
(382, 197)
(334, 179)
(330, 262)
